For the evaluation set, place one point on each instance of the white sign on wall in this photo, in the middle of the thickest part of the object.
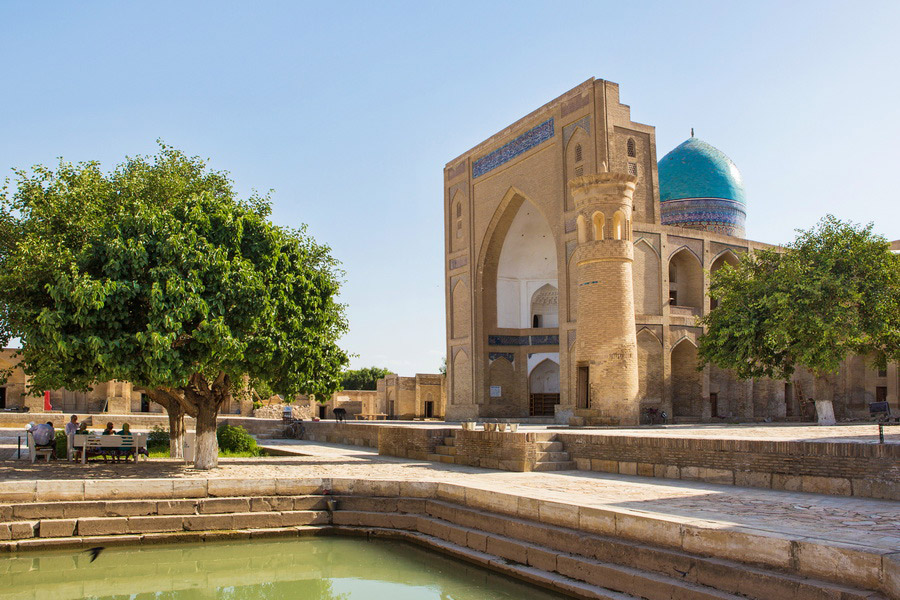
(496, 391)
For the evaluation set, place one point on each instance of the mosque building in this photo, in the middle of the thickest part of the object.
(576, 269)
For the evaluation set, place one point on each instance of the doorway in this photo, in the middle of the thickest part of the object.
(429, 409)
(789, 399)
(2, 397)
(322, 412)
(582, 387)
(145, 403)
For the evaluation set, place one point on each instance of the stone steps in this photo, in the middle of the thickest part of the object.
(550, 446)
(552, 456)
(604, 565)
(445, 450)
(566, 465)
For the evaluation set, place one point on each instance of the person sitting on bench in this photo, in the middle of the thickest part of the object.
(45, 437)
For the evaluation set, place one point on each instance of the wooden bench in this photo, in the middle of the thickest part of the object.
(106, 445)
(371, 416)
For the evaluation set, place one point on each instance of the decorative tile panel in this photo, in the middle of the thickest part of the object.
(507, 355)
(505, 153)
(461, 261)
(523, 340)
(571, 225)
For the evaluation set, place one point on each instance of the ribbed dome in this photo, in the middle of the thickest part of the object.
(701, 188)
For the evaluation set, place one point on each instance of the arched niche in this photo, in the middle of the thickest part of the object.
(686, 383)
(462, 379)
(501, 378)
(544, 378)
(650, 369)
(647, 281)
(599, 223)
(619, 230)
(576, 165)
(685, 280)
(725, 258)
(459, 315)
(545, 307)
(527, 262)
(581, 226)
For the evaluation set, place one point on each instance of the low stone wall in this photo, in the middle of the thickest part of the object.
(499, 450)
(351, 434)
(839, 468)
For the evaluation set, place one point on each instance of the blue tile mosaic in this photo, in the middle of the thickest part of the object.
(507, 355)
(456, 263)
(523, 340)
(708, 214)
(528, 140)
(545, 340)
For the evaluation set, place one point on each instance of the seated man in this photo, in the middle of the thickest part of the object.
(45, 437)
(72, 425)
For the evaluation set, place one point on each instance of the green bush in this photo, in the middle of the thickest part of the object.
(158, 440)
(62, 444)
(235, 439)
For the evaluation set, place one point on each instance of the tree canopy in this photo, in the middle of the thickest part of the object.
(363, 379)
(157, 274)
(834, 291)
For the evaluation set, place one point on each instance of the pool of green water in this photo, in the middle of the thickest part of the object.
(323, 568)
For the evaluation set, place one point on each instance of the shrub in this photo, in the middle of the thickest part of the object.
(62, 444)
(158, 440)
(235, 439)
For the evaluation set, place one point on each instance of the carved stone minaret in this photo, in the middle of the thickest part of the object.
(606, 344)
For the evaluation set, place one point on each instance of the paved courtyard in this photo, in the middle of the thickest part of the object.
(834, 519)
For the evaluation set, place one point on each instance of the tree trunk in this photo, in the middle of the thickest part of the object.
(176, 430)
(206, 453)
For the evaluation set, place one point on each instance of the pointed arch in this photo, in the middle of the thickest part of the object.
(598, 220)
(646, 277)
(579, 159)
(461, 378)
(545, 306)
(544, 377)
(685, 279)
(618, 226)
(630, 148)
(457, 222)
(581, 226)
(686, 382)
(650, 368)
(501, 374)
(724, 257)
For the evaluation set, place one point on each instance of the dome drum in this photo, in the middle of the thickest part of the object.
(706, 214)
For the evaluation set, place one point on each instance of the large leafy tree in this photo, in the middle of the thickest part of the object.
(157, 274)
(363, 379)
(833, 292)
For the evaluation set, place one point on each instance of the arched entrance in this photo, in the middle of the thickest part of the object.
(686, 386)
(543, 386)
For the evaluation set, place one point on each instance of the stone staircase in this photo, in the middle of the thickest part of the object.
(445, 452)
(552, 456)
(574, 561)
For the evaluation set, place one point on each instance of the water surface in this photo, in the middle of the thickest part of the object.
(323, 568)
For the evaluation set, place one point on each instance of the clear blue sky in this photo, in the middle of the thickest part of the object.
(349, 111)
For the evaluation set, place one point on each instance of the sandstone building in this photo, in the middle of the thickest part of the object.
(576, 267)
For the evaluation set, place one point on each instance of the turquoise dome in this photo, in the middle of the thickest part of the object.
(701, 188)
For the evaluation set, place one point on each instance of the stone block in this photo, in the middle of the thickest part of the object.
(724, 476)
(508, 549)
(123, 489)
(518, 466)
(130, 508)
(49, 543)
(76, 510)
(36, 511)
(835, 486)
(541, 559)
(57, 528)
(5, 533)
(451, 493)
(56, 490)
(295, 518)
(645, 469)
(222, 536)
(189, 488)
(476, 541)
(418, 489)
(155, 524)
(208, 522)
(596, 520)
(102, 526)
(301, 486)
(270, 504)
(309, 503)
(528, 508)
(689, 472)
(241, 487)
(604, 466)
(408, 523)
(646, 529)
(557, 513)
(790, 483)
(752, 479)
(491, 500)
(176, 507)
(583, 464)
(17, 491)
(411, 505)
(738, 545)
(223, 505)
(627, 468)
(890, 565)
(859, 566)
(256, 520)
(672, 472)
(172, 538)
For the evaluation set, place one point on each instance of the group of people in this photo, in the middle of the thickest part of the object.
(45, 437)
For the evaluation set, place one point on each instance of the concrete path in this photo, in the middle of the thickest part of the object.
(836, 519)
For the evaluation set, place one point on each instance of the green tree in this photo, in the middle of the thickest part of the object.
(363, 379)
(157, 274)
(833, 292)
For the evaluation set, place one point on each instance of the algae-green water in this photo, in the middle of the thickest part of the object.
(321, 568)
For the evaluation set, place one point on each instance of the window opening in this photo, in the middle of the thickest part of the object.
(631, 149)
(578, 153)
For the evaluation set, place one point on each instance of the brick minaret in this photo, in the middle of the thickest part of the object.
(606, 344)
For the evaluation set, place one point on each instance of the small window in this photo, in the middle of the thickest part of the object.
(632, 169)
(536, 321)
(579, 171)
(578, 153)
(673, 297)
(459, 229)
(882, 372)
(458, 210)
(631, 149)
